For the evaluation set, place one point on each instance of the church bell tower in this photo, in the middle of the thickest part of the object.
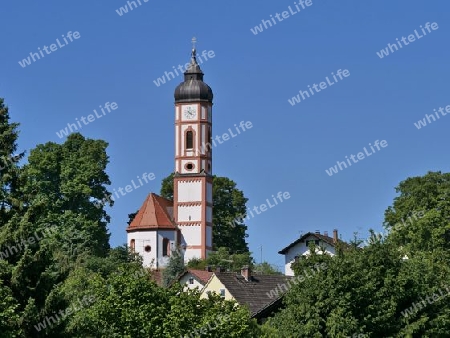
(192, 205)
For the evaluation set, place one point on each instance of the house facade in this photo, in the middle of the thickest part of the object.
(301, 247)
(194, 279)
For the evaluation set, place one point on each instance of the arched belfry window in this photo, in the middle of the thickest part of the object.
(189, 139)
(133, 245)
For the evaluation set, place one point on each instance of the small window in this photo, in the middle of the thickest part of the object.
(189, 140)
(222, 293)
(191, 280)
(148, 248)
(132, 245)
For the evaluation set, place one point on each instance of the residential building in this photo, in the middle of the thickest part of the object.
(301, 247)
(195, 279)
(260, 293)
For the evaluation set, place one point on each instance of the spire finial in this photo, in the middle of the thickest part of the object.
(194, 50)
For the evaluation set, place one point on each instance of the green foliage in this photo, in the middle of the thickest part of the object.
(9, 318)
(377, 291)
(231, 261)
(128, 304)
(419, 219)
(174, 268)
(167, 187)
(58, 224)
(229, 211)
(9, 169)
(265, 268)
(197, 263)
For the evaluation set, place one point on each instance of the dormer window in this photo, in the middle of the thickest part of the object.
(191, 280)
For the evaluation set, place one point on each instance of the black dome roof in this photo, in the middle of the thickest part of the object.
(193, 88)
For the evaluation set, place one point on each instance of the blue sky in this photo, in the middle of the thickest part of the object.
(117, 58)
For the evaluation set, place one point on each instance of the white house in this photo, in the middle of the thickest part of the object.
(195, 279)
(300, 247)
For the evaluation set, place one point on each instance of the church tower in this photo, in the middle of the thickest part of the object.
(192, 204)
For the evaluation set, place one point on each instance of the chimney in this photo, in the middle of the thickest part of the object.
(245, 272)
(335, 236)
(325, 233)
(317, 232)
(208, 268)
(219, 269)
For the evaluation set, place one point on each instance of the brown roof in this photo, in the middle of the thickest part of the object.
(324, 238)
(259, 293)
(155, 213)
(202, 275)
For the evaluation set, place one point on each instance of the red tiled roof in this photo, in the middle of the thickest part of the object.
(203, 275)
(155, 213)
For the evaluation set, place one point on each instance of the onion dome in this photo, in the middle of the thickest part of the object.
(193, 88)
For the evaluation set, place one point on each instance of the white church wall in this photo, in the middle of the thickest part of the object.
(192, 235)
(189, 213)
(192, 253)
(142, 239)
(189, 191)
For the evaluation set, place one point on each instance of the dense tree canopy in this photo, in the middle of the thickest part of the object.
(396, 286)
(419, 219)
(9, 169)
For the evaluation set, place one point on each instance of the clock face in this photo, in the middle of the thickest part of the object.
(190, 112)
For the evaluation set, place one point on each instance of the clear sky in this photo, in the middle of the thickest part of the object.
(117, 58)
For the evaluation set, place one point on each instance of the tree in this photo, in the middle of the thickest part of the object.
(9, 169)
(229, 211)
(130, 304)
(224, 259)
(419, 218)
(59, 223)
(266, 268)
(362, 291)
(174, 268)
